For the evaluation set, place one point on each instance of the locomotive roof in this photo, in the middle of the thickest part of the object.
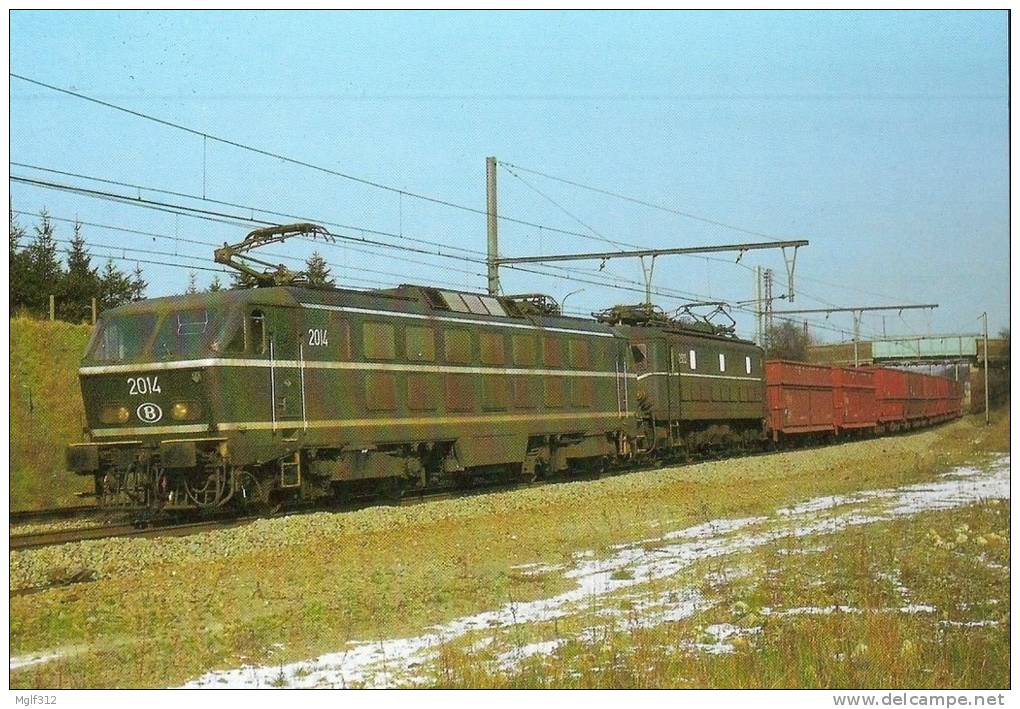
(404, 298)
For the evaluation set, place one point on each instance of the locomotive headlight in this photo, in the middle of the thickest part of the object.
(185, 411)
(114, 414)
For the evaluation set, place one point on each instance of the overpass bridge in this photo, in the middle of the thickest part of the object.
(912, 351)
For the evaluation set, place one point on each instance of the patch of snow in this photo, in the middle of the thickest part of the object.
(482, 644)
(968, 623)
(510, 660)
(33, 659)
(802, 551)
(918, 608)
(722, 635)
(397, 661)
(536, 569)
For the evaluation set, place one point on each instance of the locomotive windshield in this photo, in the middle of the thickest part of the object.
(175, 335)
(186, 333)
(122, 337)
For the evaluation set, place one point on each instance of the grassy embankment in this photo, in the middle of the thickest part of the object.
(928, 610)
(165, 611)
(46, 411)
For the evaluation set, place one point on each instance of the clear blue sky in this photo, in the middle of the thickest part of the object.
(881, 137)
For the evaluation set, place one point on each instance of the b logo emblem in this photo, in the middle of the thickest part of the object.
(149, 413)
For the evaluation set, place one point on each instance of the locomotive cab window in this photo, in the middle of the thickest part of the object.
(122, 337)
(693, 359)
(640, 354)
(747, 364)
(231, 338)
(722, 362)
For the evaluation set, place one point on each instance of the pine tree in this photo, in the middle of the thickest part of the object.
(138, 284)
(216, 285)
(80, 284)
(192, 283)
(115, 288)
(43, 272)
(18, 262)
(318, 271)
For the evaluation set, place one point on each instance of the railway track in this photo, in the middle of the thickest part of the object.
(21, 542)
(52, 514)
(37, 540)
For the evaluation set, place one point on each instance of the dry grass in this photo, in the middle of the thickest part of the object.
(46, 411)
(164, 612)
(911, 614)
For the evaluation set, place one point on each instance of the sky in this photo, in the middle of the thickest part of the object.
(880, 137)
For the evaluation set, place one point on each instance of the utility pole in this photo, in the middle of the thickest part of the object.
(984, 316)
(492, 257)
(858, 313)
(642, 253)
(758, 309)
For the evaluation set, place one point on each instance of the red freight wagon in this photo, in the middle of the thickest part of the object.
(943, 389)
(951, 405)
(915, 403)
(931, 395)
(853, 398)
(799, 398)
(891, 395)
(956, 402)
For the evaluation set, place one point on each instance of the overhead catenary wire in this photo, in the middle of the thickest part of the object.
(206, 215)
(635, 200)
(595, 234)
(689, 215)
(187, 266)
(286, 257)
(206, 136)
(243, 221)
(538, 269)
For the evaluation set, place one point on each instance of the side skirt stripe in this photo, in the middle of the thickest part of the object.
(356, 423)
(429, 421)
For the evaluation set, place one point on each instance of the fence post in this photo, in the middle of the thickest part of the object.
(53, 307)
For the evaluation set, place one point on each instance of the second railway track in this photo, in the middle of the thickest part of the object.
(37, 540)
